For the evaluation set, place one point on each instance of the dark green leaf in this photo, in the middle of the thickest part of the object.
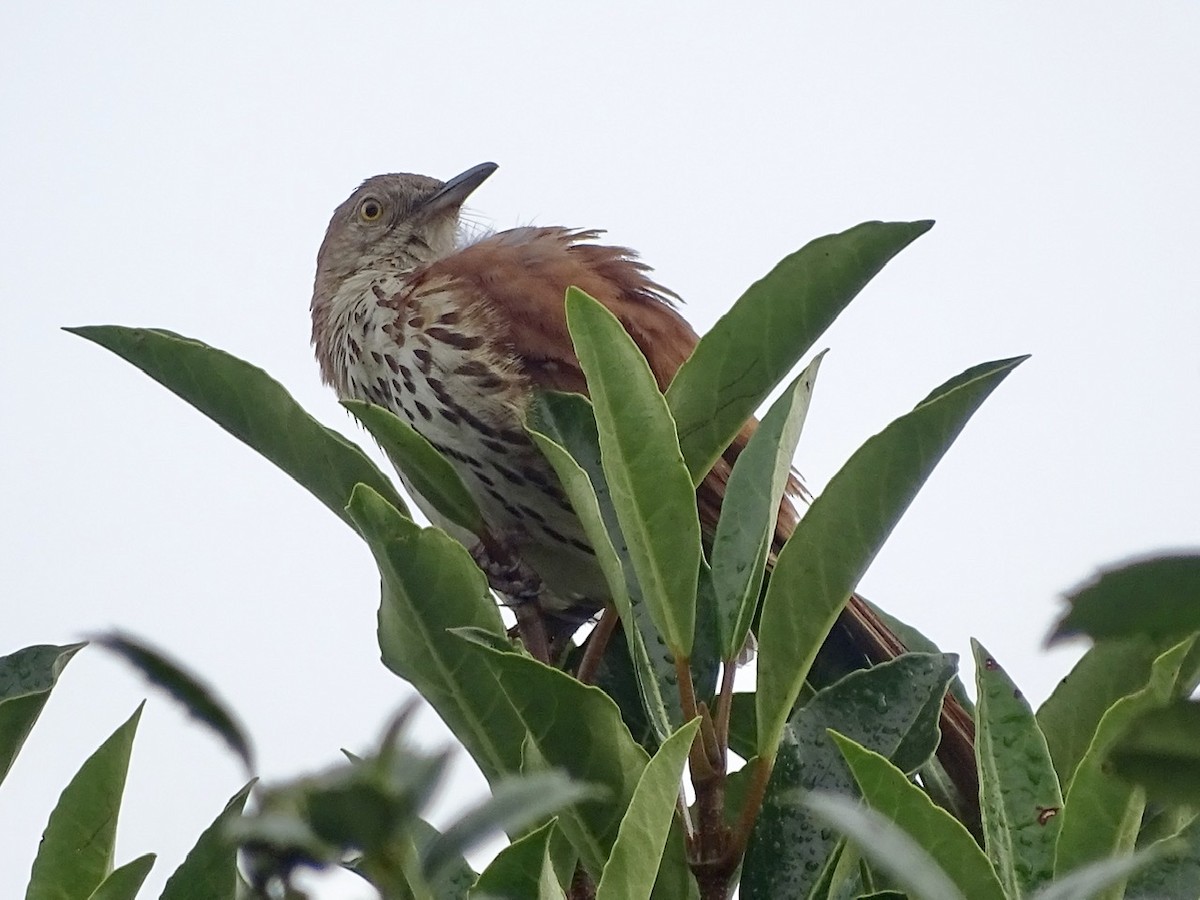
(521, 871)
(840, 534)
(1160, 750)
(1174, 875)
(1107, 875)
(650, 486)
(197, 698)
(253, 407)
(124, 882)
(209, 872)
(774, 323)
(26, 679)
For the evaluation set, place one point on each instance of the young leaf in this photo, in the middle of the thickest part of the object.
(26, 679)
(1102, 811)
(632, 868)
(1157, 597)
(209, 871)
(750, 510)
(842, 531)
(76, 852)
(521, 871)
(772, 325)
(431, 478)
(1019, 794)
(888, 791)
(253, 407)
(651, 489)
(124, 882)
(430, 585)
(197, 698)
(1160, 750)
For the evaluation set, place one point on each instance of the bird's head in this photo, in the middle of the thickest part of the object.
(394, 222)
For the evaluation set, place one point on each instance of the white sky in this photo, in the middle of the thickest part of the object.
(175, 167)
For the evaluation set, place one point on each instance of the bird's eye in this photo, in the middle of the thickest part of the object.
(370, 210)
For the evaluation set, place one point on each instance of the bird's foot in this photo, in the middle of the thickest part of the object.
(520, 587)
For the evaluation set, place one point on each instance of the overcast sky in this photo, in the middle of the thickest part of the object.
(175, 166)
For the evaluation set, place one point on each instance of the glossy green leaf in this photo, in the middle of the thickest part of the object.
(564, 428)
(891, 708)
(253, 407)
(26, 679)
(1175, 873)
(750, 510)
(76, 852)
(521, 871)
(773, 324)
(1160, 750)
(632, 868)
(1102, 812)
(842, 531)
(430, 585)
(209, 871)
(651, 489)
(200, 701)
(591, 744)
(887, 846)
(124, 882)
(1019, 793)
(888, 791)
(434, 482)
(1107, 875)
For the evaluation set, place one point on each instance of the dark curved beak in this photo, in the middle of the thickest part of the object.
(454, 192)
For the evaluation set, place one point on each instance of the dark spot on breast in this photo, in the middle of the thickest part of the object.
(494, 446)
(424, 360)
(450, 318)
(424, 411)
(557, 535)
(455, 338)
(472, 369)
(509, 474)
(449, 416)
(483, 478)
(391, 361)
(377, 356)
(405, 372)
(416, 322)
(532, 513)
(580, 545)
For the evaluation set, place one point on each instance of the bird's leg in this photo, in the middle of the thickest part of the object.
(520, 587)
(597, 643)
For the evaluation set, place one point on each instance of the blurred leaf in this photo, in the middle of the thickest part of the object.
(750, 510)
(774, 323)
(253, 407)
(430, 475)
(430, 585)
(1102, 812)
(890, 708)
(1157, 597)
(76, 852)
(885, 845)
(576, 728)
(564, 427)
(124, 882)
(1160, 750)
(842, 531)
(1019, 794)
(632, 868)
(888, 791)
(649, 484)
(200, 701)
(1087, 882)
(521, 871)
(26, 679)
(516, 803)
(455, 878)
(1175, 873)
(209, 872)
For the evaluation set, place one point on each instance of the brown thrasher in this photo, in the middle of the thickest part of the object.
(455, 337)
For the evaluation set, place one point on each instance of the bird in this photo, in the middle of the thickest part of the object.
(456, 334)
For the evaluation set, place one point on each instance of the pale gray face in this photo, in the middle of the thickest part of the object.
(394, 222)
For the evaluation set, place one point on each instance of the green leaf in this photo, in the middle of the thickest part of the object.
(885, 845)
(200, 701)
(433, 482)
(26, 679)
(1157, 597)
(1019, 794)
(521, 871)
(455, 878)
(888, 791)
(1160, 750)
(842, 531)
(891, 708)
(76, 852)
(591, 743)
(515, 804)
(751, 508)
(1102, 812)
(124, 882)
(1087, 882)
(651, 489)
(564, 428)
(632, 868)
(1175, 873)
(774, 323)
(430, 585)
(209, 871)
(253, 407)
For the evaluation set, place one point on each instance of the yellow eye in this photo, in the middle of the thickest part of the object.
(370, 210)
